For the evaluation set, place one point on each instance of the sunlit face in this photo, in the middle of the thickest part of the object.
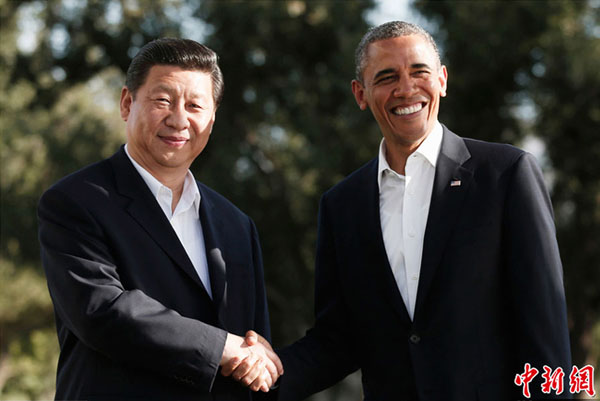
(170, 120)
(402, 86)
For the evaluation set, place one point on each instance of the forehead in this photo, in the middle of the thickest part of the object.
(409, 49)
(177, 79)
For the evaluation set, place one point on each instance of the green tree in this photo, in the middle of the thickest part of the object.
(566, 90)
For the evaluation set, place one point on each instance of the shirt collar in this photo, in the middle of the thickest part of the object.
(189, 196)
(429, 149)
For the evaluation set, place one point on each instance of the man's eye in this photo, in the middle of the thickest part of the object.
(385, 79)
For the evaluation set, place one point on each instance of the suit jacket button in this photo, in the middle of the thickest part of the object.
(414, 339)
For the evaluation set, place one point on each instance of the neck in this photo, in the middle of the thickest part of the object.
(177, 190)
(171, 177)
(175, 184)
(172, 180)
(396, 154)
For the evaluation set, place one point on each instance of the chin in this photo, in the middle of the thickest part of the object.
(410, 137)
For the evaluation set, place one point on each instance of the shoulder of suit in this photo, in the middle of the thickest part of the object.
(94, 174)
(356, 181)
(484, 146)
(493, 152)
(479, 148)
(91, 185)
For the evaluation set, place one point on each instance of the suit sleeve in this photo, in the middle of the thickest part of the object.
(324, 355)
(535, 274)
(127, 326)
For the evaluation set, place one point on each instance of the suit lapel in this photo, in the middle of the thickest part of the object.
(144, 208)
(368, 207)
(450, 185)
(214, 244)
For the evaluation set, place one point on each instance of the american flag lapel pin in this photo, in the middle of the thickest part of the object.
(455, 183)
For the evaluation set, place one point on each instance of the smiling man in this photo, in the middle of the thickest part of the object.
(437, 268)
(401, 81)
(154, 276)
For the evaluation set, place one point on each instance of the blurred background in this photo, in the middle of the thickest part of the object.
(524, 72)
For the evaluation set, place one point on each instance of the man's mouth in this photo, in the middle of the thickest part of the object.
(403, 111)
(173, 140)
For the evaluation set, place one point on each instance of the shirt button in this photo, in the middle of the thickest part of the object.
(415, 339)
(411, 233)
(414, 277)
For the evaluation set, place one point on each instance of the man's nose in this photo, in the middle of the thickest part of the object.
(178, 118)
(405, 87)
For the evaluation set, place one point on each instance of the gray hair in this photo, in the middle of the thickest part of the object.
(389, 30)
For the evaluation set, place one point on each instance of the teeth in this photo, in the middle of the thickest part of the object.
(407, 110)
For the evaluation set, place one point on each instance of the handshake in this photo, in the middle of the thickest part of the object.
(251, 361)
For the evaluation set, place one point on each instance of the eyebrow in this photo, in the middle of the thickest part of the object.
(383, 72)
(420, 65)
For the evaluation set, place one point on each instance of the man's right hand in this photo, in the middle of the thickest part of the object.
(251, 361)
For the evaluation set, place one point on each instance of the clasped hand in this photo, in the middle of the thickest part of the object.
(251, 361)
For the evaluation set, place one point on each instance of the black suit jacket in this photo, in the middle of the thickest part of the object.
(490, 296)
(133, 318)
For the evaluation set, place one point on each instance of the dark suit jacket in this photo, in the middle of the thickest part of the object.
(490, 294)
(133, 318)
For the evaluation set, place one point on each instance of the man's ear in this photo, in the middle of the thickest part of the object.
(125, 104)
(443, 77)
(359, 94)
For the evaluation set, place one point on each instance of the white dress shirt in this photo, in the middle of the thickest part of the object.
(404, 206)
(185, 220)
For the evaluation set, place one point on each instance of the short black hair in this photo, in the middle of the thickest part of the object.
(185, 53)
(389, 30)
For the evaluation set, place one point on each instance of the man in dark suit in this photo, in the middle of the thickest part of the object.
(437, 268)
(154, 276)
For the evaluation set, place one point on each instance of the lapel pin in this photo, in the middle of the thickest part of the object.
(455, 183)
